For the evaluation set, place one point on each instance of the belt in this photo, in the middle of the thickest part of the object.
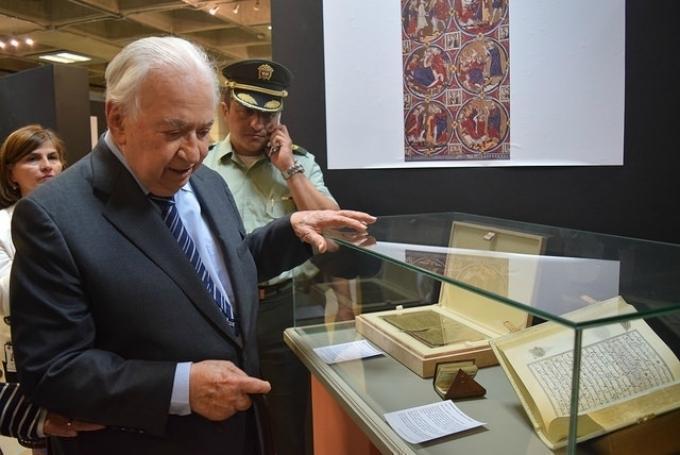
(266, 291)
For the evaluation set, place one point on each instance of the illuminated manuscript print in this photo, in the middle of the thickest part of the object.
(434, 262)
(456, 79)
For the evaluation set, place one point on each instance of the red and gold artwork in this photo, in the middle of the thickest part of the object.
(456, 56)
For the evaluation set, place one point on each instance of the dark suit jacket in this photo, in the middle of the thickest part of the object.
(104, 304)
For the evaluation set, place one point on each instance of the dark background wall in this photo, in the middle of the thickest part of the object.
(639, 199)
(56, 97)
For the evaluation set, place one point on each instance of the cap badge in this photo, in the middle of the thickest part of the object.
(264, 72)
(272, 104)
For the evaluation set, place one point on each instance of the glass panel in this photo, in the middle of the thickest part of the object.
(585, 327)
(544, 270)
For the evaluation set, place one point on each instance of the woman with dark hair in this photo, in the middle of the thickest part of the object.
(29, 157)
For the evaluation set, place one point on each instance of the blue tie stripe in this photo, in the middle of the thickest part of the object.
(170, 216)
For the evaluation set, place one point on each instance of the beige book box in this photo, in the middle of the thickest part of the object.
(461, 324)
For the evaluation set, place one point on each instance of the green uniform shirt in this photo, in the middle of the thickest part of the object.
(261, 192)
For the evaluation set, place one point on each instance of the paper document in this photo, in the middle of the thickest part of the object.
(347, 351)
(431, 421)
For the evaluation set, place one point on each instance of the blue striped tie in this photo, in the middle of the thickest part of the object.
(171, 217)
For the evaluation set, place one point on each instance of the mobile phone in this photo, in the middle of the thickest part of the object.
(273, 148)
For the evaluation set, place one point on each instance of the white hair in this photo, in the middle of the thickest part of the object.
(128, 69)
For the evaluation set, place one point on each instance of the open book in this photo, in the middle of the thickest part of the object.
(628, 374)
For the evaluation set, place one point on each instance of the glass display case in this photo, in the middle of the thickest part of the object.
(576, 334)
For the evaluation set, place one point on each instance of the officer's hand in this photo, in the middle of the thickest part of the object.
(280, 148)
(60, 426)
(218, 389)
(309, 225)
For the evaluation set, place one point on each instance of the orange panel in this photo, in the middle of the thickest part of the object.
(334, 431)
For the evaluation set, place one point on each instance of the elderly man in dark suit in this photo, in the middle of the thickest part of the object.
(134, 287)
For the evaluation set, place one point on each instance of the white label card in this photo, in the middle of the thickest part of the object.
(347, 351)
(430, 421)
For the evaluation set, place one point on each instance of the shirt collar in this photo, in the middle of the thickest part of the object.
(227, 152)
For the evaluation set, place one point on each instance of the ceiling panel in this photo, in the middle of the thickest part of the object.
(100, 28)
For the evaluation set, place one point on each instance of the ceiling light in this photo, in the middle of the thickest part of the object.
(65, 57)
(269, 27)
(74, 57)
(2, 45)
(54, 58)
(29, 41)
(256, 6)
(14, 42)
(212, 11)
(236, 8)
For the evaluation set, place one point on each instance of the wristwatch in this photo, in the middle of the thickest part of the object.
(295, 168)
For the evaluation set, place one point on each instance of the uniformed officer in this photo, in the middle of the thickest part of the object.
(270, 177)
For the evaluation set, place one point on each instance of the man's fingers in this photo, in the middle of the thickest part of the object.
(57, 425)
(318, 242)
(255, 385)
(342, 226)
(86, 426)
(359, 216)
(310, 225)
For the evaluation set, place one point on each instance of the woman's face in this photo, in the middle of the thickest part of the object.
(35, 168)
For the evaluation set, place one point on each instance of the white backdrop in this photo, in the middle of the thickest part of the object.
(567, 72)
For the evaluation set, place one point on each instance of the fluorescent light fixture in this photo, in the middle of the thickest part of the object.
(54, 58)
(65, 57)
(74, 57)
(212, 11)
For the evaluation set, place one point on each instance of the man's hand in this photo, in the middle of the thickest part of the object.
(309, 225)
(280, 150)
(218, 389)
(60, 426)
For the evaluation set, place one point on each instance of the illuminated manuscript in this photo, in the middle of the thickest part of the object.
(456, 79)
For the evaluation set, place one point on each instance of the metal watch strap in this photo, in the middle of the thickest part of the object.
(295, 168)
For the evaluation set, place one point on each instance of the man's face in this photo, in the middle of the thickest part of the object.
(166, 141)
(249, 128)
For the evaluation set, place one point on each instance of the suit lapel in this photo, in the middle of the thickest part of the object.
(226, 224)
(137, 219)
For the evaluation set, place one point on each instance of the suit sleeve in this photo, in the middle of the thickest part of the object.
(54, 333)
(276, 248)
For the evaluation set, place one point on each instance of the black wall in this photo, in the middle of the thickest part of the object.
(55, 96)
(639, 199)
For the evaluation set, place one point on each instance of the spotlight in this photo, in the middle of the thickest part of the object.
(29, 41)
(212, 11)
(2, 45)
(14, 42)
(256, 6)
(236, 8)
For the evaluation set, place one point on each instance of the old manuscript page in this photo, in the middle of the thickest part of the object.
(433, 328)
(619, 361)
